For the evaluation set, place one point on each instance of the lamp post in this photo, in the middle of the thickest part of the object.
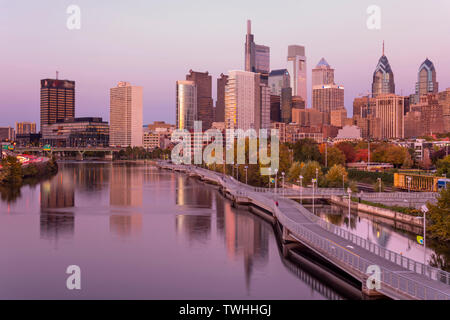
(424, 210)
(349, 191)
(237, 172)
(313, 181)
(301, 189)
(409, 189)
(283, 181)
(343, 182)
(317, 177)
(326, 153)
(246, 176)
(276, 180)
(379, 184)
(270, 176)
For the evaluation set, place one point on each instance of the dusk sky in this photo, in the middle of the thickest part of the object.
(155, 43)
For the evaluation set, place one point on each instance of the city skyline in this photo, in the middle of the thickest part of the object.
(81, 55)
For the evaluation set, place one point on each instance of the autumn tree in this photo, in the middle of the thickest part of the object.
(348, 150)
(335, 176)
(438, 217)
(335, 156)
(306, 150)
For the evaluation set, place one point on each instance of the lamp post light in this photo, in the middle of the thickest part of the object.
(313, 182)
(349, 191)
(276, 180)
(424, 209)
(246, 175)
(283, 181)
(301, 189)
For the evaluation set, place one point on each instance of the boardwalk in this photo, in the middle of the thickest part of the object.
(401, 277)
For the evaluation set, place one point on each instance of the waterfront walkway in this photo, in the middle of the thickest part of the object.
(400, 277)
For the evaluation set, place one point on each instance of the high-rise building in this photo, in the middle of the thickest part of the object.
(363, 106)
(297, 70)
(7, 134)
(286, 105)
(205, 111)
(444, 100)
(322, 74)
(389, 109)
(220, 103)
(338, 117)
(298, 102)
(327, 98)
(257, 57)
(432, 114)
(25, 127)
(278, 79)
(426, 80)
(125, 115)
(383, 78)
(275, 108)
(247, 101)
(186, 104)
(57, 100)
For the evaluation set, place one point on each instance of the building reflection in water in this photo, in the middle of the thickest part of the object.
(126, 188)
(125, 225)
(90, 176)
(55, 194)
(190, 193)
(194, 227)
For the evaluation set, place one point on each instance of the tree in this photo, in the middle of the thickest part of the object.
(12, 171)
(348, 150)
(438, 216)
(306, 150)
(443, 166)
(295, 171)
(308, 171)
(335, 156)
(378, 186)
(335, 176)
(362, 155)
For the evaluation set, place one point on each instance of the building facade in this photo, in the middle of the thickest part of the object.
(426, 80)
(286, 105)
(125, 115)
(383, 78)
(186, 105)
(390, 110)
(296, 60)
(205, 111)
(279, 79)
(327, 98)
(257, 57)
(322, 74)
(25, 127)
(57, 101)
(220, 102)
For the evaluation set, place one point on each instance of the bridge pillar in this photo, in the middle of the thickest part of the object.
(285, 236)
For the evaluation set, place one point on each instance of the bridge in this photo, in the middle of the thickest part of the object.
(399, 278)
(79, 150)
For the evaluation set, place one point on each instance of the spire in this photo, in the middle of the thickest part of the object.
(249, 26)
(383, 47)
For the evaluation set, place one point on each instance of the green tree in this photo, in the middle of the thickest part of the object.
(306, 150)
(443, 166)
(13, 171)
(308, 171)
(335, 156)
(335, 176)
(438, 217)
(378, 186)
(294, 171)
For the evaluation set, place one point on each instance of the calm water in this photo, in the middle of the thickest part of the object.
(138, 232)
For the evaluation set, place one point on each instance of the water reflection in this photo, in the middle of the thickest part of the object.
(126, 186)
(125, 225)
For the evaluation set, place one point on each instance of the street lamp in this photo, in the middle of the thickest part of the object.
(246, 176)
(283, 181)
(270, 176)
(276, 180)
(379, 184)
(317, 177)
(301, 189)
(313, 181)
(409, 183)
(349, 191)
(424, 209)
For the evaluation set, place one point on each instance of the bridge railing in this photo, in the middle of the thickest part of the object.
(399, 195)
(358, 264)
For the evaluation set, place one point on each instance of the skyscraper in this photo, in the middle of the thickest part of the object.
(322, 74)
(389, 109)
(205, 111)
(220, 103)
(257, 57)
(247, 101)
(25, 127)
(426, 80)
(125, 115)
(327, 98)
(383, 77)
(286, 105)
(186, 104)
(297, 70)
(278, 79)
(57, 100)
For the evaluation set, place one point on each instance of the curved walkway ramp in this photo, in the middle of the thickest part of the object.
(399, 277)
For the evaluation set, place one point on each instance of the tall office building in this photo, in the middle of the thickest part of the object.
(286, 105)
(57, 100)
(220, 102)
(383, 78)
(389, 109)
(247, 101)
(257, 57)
(25, 127)
(205, 111)
(426, 80)
(186, 104)
(297, 70)
(279, 79)
(125, 115)
(322, 74)
(327, 98)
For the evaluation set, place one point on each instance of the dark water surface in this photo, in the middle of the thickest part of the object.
(140, 233)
